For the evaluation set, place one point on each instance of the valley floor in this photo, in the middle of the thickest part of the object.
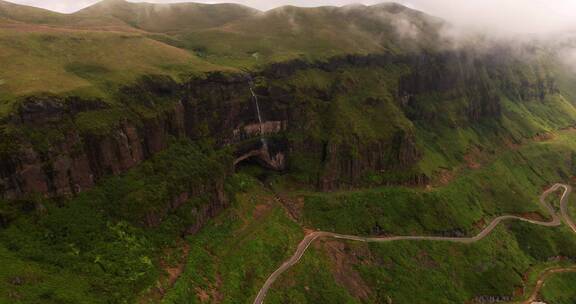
(509, 262)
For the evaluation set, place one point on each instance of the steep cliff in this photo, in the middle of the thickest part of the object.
(338, 123)
(147, 149)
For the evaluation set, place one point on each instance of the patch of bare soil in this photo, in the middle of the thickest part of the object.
(543, 137)
(293, 205)
(423, 259)
(471, 162)
(571, 128)
(202, 295)
(535, 216)
(308, 231)
(212, 295)
(172, 274)
(261, 210)
(343, 261)
(175, 272)
(511, 144)
(518, 291)
(481, 224)
(472, 158)
(446, 176)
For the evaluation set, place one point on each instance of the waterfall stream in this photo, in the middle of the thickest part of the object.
(257, 105)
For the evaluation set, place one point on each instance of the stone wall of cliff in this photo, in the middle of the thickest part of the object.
(219, 108)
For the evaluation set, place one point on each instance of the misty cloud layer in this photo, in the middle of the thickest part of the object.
(496, 16)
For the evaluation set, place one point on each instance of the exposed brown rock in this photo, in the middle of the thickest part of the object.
(219, 107)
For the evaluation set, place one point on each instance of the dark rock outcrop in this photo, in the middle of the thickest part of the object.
(479, 80)
(219, 108)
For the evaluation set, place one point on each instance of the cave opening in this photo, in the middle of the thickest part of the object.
(256, 167)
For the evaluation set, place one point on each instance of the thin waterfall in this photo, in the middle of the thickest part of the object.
(257, 104)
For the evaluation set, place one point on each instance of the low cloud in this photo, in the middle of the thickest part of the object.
(494, 16)
(505, 16)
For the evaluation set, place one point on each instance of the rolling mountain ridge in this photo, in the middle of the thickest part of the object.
(179, 153)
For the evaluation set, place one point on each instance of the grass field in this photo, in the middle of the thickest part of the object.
(87, 64)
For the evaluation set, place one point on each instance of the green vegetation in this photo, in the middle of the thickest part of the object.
(451, 273)
(104, 245)
(313, 33)
(355, 111)
(482, 139)
(560, 289)
(346, 109)
(88, 64)
(310, 282)
(232, 256)
(92, 52)
(510, 184)
(445, 146)
(445, 272)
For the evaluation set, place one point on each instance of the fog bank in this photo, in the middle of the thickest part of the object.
(495, 16)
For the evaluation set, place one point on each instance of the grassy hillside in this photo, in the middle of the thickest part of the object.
(560, 289)
(234, 255)
(94, 51)
(94, 248)
(469, 135)
(29, 14)
(315, 33)
(497, 266)
(167, 18)
(84, 63)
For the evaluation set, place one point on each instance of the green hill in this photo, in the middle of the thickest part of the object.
(167, 18)
(315, 33)
(83, 63)
(28, 14)
(112, 42)
(178, 153)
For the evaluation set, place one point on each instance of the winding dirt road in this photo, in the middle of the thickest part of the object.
(543, 278)
(309, 239)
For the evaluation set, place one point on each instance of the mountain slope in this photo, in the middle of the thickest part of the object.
(84, 63)
(167, 17)
(116, 41)
(29, 14)
(316, 33)
(156, 154)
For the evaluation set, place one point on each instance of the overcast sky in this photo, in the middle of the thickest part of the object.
(526, 16)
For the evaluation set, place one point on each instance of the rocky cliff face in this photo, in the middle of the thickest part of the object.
(481, 81)
(219, 108)
(73, 160)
